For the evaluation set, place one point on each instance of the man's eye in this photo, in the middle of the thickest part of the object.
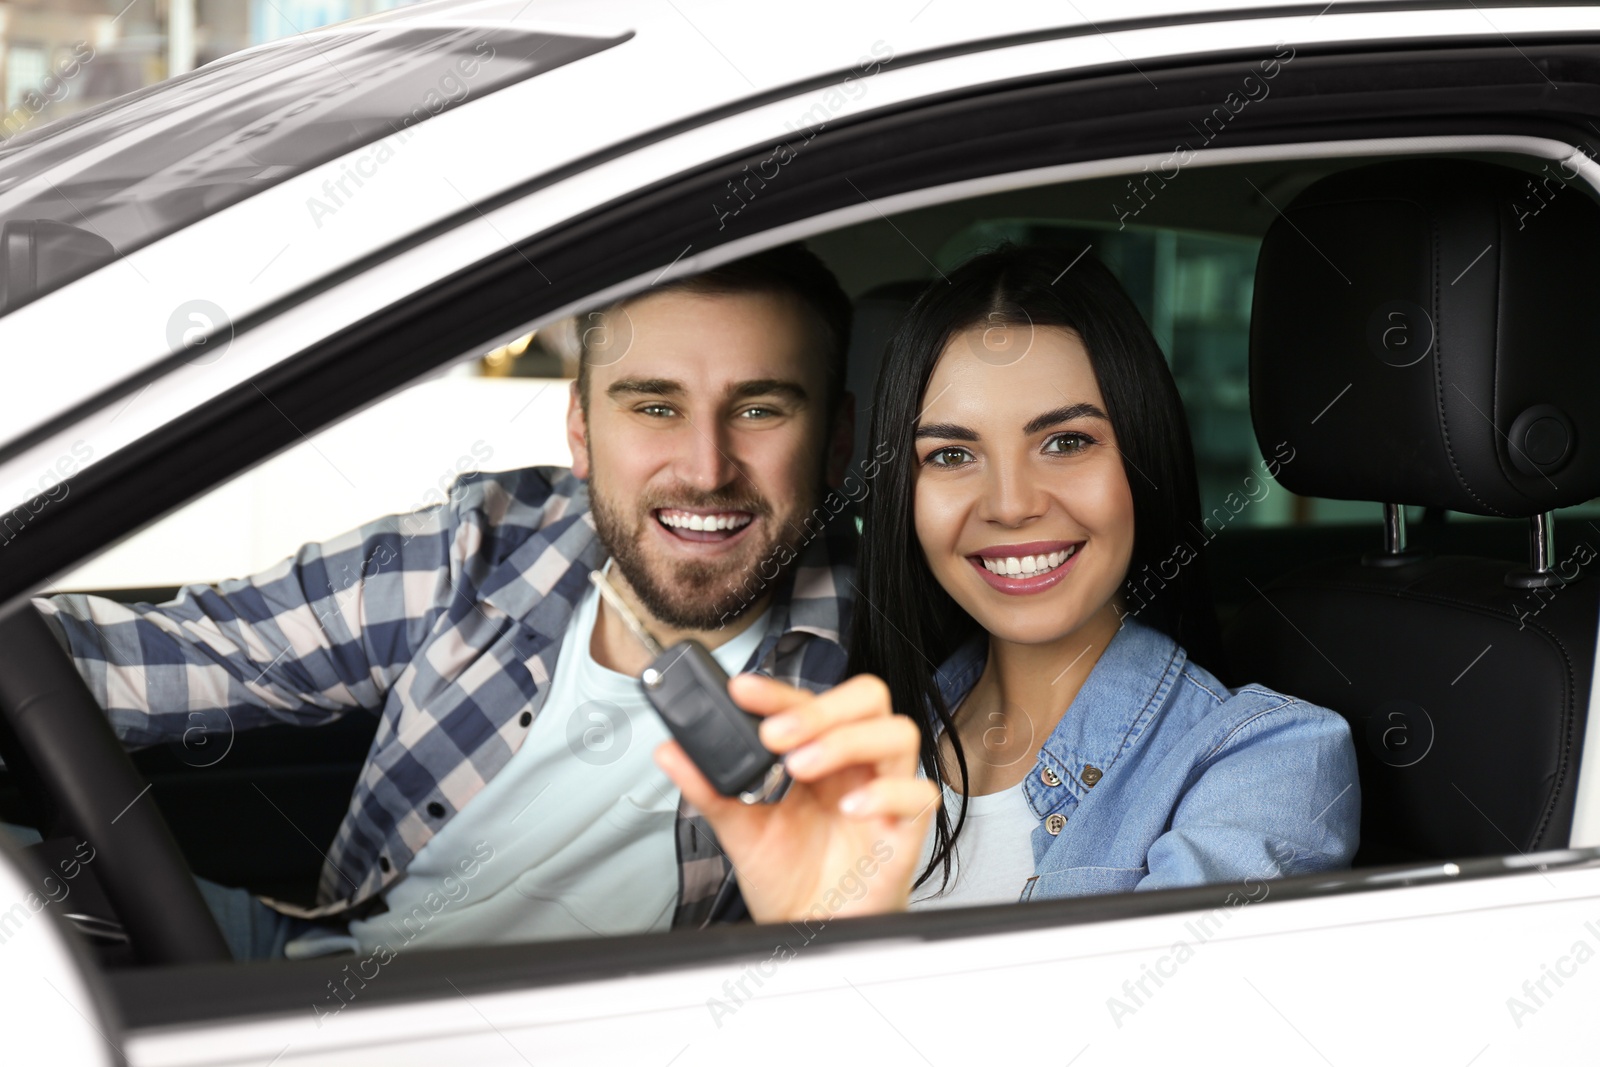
(948, 457)
(655, 410)
(1068, 444)
(759, 413)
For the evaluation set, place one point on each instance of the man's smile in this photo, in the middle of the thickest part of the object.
(720, 526)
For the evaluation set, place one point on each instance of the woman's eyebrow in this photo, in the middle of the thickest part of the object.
(955, 432)
(1063, 414)
(947, 430)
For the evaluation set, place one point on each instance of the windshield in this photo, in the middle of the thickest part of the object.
(77, 193)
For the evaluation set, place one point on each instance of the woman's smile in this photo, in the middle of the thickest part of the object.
(1023, 569)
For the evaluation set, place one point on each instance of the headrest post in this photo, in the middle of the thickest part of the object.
(1542, 532)
(1541, 538)
(1395, 553)
(1394, 529)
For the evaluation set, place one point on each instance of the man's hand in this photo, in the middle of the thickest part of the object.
(856, 804)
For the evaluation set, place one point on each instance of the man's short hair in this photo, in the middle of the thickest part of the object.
(791, 269)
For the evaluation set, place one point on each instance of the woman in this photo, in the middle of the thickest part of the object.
(1030, 592)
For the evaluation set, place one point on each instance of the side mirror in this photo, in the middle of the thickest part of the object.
(56, 1009)
(37, 255)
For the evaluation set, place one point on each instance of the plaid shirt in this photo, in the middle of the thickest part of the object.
(445, 623)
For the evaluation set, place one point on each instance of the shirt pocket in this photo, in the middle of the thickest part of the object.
(1084, 882)
(645, 808)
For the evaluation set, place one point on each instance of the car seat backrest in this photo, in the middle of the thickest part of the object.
(1428, 333)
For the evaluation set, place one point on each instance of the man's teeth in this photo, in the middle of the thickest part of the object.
(688, 520)
(1024, 566)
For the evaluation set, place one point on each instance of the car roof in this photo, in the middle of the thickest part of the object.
(770, 45)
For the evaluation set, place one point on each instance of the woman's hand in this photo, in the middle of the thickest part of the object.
(846, 838)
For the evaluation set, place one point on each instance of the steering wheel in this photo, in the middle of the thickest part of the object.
(63, 733)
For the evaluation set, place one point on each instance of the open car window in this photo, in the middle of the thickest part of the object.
(505, 409)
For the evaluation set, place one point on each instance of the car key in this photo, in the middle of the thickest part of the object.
(689, 690)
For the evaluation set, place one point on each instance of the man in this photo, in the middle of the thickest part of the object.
(509, 793)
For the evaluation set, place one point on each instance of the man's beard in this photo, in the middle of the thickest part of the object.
(695, 594)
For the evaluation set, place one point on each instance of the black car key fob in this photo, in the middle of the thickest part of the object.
(689, 689)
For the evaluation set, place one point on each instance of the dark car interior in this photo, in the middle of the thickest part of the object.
(1323, 591)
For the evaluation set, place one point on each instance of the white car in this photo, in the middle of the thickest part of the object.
(196, 277)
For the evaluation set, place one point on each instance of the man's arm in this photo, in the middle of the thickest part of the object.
(322, 632)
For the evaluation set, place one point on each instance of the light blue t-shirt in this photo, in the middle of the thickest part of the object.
(575, 836)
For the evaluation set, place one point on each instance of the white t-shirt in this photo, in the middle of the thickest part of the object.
(581, 822)
(993, 855)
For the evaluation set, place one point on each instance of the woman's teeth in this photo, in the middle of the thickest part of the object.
(1026, 566)
(688, 520)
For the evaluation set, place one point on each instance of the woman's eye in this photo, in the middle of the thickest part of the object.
(948, 457)
(1068, 443)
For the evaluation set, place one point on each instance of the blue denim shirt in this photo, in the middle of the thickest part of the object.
(1160, 776)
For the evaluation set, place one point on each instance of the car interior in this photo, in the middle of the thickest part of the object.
(1369, 588)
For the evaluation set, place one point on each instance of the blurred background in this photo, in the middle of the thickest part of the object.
(58, 57)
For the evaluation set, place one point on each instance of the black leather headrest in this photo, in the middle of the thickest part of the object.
(1428, 332)
(878, 313)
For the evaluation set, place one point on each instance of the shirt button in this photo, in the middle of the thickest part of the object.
(1091, 775)
(1054, 823)
(435, 809)
(1049, 777)
(383, 862)
(527, 717)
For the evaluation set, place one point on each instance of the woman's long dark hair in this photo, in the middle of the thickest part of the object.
(909, 625)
